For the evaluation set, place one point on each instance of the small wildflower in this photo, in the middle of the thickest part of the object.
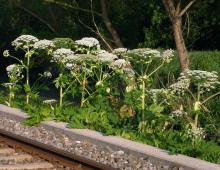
(50, 101)
(47, 74)
(178, 113)
(196, 133)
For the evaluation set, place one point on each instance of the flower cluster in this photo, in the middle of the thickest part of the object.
(120, 63)
(106, 57)
(60, 54)
(180, 86)
(24, 41)
(120, 50)
(151, 53)
(167, 55)
(47, 74)
(14, 70)
(178, 113)
(50, 101)
(158, 95)
(44, 44)
(88, 42)
(196, 133)
(204, 80)
(142, 55)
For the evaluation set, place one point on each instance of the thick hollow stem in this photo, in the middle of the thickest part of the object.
(83, 93)
(143, 99)
(27, 79)
(61, 96)
(196, 120)
(10, 96)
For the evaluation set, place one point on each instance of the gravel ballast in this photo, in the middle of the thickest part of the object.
(112, 151)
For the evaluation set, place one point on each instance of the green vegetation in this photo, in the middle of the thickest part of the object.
(138, 94)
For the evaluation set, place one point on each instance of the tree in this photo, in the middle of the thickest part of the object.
(109, 25)
(175, 13)
(103, 14)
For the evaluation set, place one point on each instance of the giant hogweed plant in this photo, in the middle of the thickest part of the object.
(75, 67)
(14, 72)
(186, 100)
(191, 92)
(140, 60)
(29, 45)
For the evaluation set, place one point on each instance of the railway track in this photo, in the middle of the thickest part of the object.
(21, 154)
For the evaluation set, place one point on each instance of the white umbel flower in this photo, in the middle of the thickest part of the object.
(24, 41)
(151, 53)
(167, 55)
(120, 50)
(120, 63)
(14, 70)
(50, 101)
(205, 80)
(44, 44)
(196, 133)
(47, 74)
(106, 57)
(88, 42)
(180, 86)
(60, 54)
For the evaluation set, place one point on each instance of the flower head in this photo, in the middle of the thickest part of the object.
(120, 50)
(167, 55)
(47, 74)
(6, 53)
(24, 41)
(204, 80)
(180, 86)
(178, 113)
(106, 57)
(196, 133)
(60, 54)
(158, 95)
(44, 44)
(88, 42)
(120, 63)
(14, 69)
(50, 101)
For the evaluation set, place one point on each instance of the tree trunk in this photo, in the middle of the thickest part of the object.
(180, 44)
(109, 25)
(175, 14)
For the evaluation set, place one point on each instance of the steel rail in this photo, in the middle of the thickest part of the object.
(51, 153)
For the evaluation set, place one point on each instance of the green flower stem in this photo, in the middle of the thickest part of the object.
(61, 96)
(10, 95)
(143, 98)
(20, 61)
(156, 69)
(196, 120)
(66, 90)
(83, 90)
(27, 78)
(210, 97)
